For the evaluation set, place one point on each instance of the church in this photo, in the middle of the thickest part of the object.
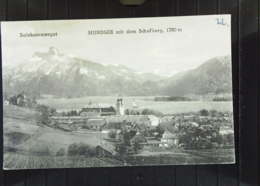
(103, 110)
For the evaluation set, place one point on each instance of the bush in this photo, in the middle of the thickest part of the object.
(204, 112)
(41, 150)
(151, 112)
(112, 134)
(213, 113)
(44, 114)
(60, 152)
(81, 149)
(136, 143)
(45, 151)
(85, 127)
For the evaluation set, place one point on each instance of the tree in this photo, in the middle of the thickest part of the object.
(52, 111)
(124, 147)
(151, 112)
(136, 143)
(112, 134)
(60, 152)
(159, 130)
(81, 149)
(204, 112)
(127, 112)
(121, 149)
(44, 114)
(197, 136)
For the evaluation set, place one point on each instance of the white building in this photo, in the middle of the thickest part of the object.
(168, 139)
(120, 107)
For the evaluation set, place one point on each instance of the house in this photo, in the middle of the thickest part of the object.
(6, 102)
(152, 143)
(226, 131)
(90, 111)
(21, 99)
(96, 123)
(97, 110)
(108, 111)
(138, 138)
(169, 139)
(146, 120)
(111, 134)
(154, 120)
(105, 150)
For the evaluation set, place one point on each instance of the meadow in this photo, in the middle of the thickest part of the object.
(21, 160)
(182, 157)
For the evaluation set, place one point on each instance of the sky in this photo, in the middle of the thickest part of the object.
(167, 53)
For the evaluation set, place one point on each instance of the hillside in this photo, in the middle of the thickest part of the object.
(20, 124)
(213, 76)
(23, 131)
(28, 144)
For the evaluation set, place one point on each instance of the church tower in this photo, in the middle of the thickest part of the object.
(120, 107)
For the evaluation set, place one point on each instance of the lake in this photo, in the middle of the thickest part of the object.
(142, 102)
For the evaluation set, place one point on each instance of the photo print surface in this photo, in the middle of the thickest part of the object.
(117, 92)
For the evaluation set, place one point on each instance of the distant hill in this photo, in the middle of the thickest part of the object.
(213, 76)
(54, 73)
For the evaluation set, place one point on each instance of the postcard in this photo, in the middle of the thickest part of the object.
(117, 92)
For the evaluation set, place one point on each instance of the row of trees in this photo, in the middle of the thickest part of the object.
(143, 112)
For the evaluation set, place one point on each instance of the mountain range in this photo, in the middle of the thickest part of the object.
(55, 73)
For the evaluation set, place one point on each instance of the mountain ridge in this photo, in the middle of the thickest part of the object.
(63, 75)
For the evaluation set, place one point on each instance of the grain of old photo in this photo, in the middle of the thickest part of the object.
(117, 92)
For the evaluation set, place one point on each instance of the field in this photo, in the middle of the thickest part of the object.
(30, 161)
(25, 141)
(180, 157)
(141, 102)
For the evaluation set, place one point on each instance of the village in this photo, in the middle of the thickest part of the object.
(120, 134)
